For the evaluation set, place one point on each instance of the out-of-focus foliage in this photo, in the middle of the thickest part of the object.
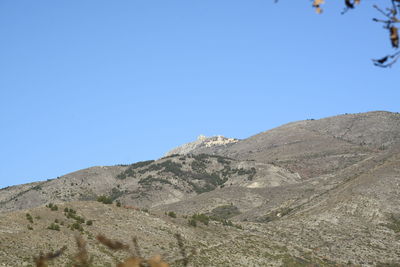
(389, 13)
(83, 259)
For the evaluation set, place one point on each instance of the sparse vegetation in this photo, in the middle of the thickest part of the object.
(37, 187)
(197, 176)
(115, 193)
(79, 220)
(172, 214)
(76, 226)
(224, 212)
(223, 160)
(149, 180)
(274, 215)
(201, 218)
(394, 223)
(204, 181)
(192, 222)
(298, 231)
(52, 207)
(198, 166)
(173, 167)
(130, 172)
(205, 219)
(54, 227)
(29, 217)
(105, 200)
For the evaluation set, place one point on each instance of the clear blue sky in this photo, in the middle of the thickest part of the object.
(95, 82)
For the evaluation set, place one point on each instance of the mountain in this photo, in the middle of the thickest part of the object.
(202, 141)
(318, 147)
(323, 192)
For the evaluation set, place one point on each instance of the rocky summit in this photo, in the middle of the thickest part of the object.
(202, 142)
(308, 193)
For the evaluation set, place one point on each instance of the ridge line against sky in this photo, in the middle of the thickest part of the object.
(99, 83)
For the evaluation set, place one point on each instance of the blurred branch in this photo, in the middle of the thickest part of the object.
(390, 20)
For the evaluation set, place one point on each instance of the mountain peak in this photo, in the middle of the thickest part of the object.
(202, 142)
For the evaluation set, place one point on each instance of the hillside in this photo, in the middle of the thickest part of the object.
(317, 191)
(148, 184)
(317, 147)
(291, 242)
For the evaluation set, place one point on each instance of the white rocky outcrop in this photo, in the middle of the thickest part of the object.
(201, 142)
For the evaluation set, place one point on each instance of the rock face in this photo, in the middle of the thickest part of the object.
(202, 142)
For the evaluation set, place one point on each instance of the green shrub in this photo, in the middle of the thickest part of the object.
(201, 218)
(71, 211)
(54, 227)
(52, 207)
(172, 214)
(79, 219)
(104, 199)
(90, 222)
(29, 218)
(72, 214)
(192, 222)
(76, 226)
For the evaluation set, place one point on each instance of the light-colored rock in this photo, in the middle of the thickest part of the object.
(202, 142)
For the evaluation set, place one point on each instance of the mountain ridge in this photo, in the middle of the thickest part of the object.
(327, 190)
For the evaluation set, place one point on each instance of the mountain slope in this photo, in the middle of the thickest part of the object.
(323, 192)
(318, 147)
(148, 184)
